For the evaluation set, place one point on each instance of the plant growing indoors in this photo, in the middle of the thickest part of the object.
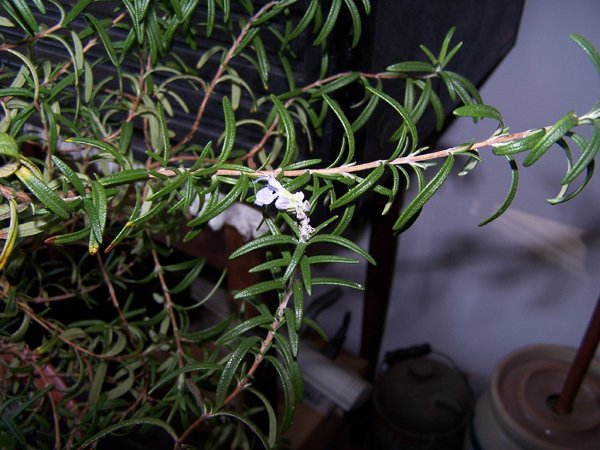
(97, 175)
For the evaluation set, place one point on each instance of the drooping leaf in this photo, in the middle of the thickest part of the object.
(342, 242)
(290, 131)
(12, 234)
(230, 131)
(361, 188)
(104, 38)
(130, 423)
(348, 133)
(555, 132)
(588, 48)
(330, 22)
(514, 184)
(587, 156)
(401, 111)
(424, 194)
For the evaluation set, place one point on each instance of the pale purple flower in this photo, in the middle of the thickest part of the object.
(286, 201)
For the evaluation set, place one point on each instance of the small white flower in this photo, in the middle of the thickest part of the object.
(286, 201)
(305, 230)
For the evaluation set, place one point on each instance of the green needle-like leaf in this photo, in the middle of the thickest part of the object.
(231, 367)
(588, 48)
(424, 194)
(479, 110)
(290, 131)
(558, 130)
(519, 145)
(514, 184)
(412, 66)
(361, 188)
(12, 233)
(412, 128)
(587, 156)
(330, 22)
(104, 38)
(43, 193)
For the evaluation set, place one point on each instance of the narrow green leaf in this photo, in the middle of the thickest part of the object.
(230, 369)
(283, 347)
(336, 84)
(290, 131)
(479, 110)
(292, 329)
(366, 113)
(27, 16)
(68, 238)
(104, 38)
(75, 11)
(130, 423)
(411, 66)
(12, 233)
(330, 22)
(588, 48)
(587, 156)
(298, 294)
(34, 76)
(288, 392)
(402, 112)
(8, 146)
(446, 44)
(259, 288)
(555, 132)
(100, 207)
(123, 386)
(518, 145)
(189, 278)
(361, 188)
(356, 21)
(564, 197)
(294, 261)
(242, 328)
(97, 383)
(237, 192)
(69, 174)
(304, 22)
(263, 241)
(230, 131)
(348, 133)
(43, 193)
(262, 60)
(424, 194)
(514, 184)
(272, 437)
(251, 425)
(169, 187)
(102, 146)
(124, 177)
(195, 367)
(342, 242)
(333, 281)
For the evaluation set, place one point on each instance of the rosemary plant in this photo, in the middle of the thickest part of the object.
(95, 168)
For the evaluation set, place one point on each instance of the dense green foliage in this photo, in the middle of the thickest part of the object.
(109, 171)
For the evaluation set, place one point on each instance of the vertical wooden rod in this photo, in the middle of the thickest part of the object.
(583, 359)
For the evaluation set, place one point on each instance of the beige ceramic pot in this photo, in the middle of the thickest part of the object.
(516, 413)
